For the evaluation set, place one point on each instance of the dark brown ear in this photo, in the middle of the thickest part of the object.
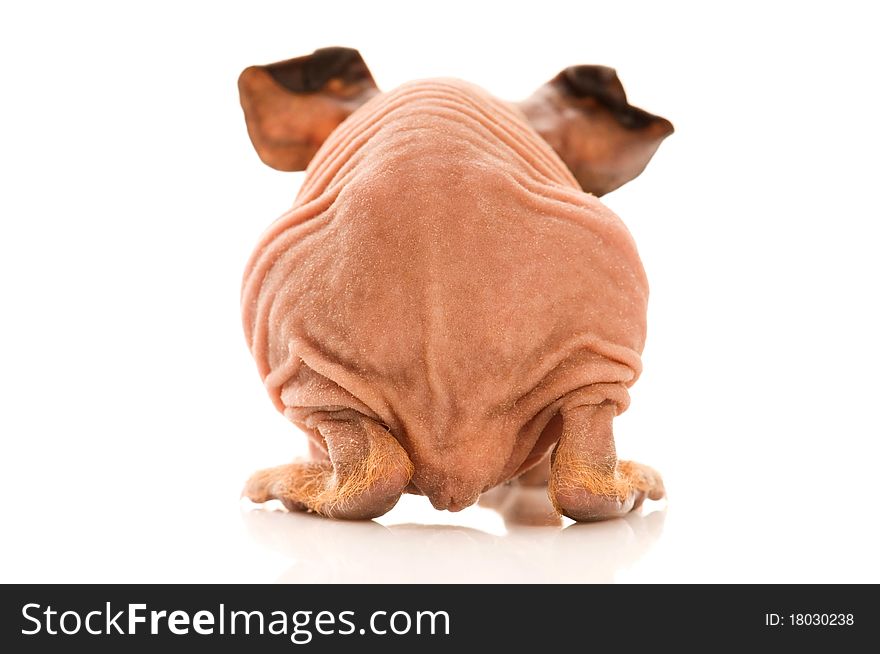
(584, 115)
(291, 107)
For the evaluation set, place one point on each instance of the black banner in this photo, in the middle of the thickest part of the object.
(105, 618)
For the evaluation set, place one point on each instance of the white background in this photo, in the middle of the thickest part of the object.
(131, 411)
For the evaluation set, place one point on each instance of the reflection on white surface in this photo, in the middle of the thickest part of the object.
(322, 550)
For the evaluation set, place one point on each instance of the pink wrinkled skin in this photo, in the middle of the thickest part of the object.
(442, 273)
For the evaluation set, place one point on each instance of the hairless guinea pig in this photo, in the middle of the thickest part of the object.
(447, 306)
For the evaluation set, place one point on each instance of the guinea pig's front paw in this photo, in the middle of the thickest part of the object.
(601, 493)
(646, 481)
(367, 473)
(274, 484)
(585, 506)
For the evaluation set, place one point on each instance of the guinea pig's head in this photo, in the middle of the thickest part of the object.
(291, 108)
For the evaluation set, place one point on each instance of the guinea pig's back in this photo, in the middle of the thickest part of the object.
(440, 260)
